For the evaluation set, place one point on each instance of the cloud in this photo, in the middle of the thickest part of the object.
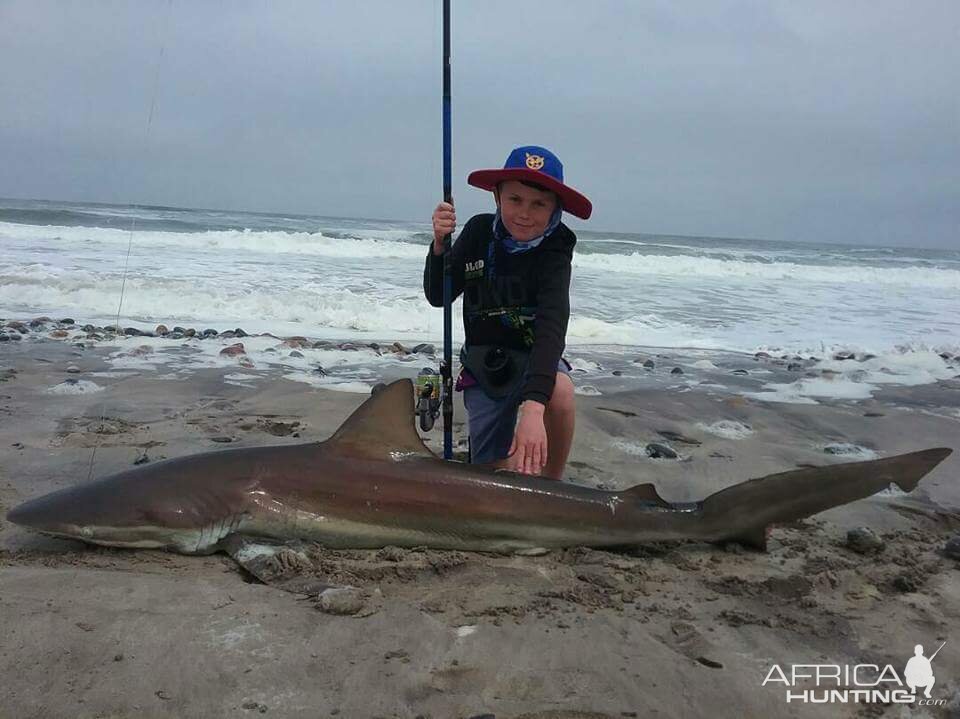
(816, 122)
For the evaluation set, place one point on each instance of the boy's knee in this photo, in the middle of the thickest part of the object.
(562, 398)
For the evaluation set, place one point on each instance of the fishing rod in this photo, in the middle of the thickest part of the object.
(446, 369)
(936, 652)
(432, 391)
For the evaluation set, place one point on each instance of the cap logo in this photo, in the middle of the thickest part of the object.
(534, 162)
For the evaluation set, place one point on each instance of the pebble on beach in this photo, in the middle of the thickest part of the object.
(234, 350)
(864, 540)
(342, 601)
(847, 449)
(656, 450)
(952, 548)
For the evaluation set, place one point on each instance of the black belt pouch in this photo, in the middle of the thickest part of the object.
(498, 370)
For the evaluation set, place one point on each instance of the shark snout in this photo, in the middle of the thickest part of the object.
(52, 516)
(27, 515)
(66, 512)
(41, 515)
(107, 517)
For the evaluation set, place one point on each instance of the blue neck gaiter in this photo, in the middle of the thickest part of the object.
(511, 245)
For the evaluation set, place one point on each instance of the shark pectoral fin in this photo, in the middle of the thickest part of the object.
(382, 427)
(645, 493)
(281, 566)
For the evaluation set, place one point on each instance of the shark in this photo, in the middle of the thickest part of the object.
(374, 483)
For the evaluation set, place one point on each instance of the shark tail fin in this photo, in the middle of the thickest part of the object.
(744, 512)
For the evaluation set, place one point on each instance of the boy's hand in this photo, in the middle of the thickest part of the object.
(444, 223)
(528, 452)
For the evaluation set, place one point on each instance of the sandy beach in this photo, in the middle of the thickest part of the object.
(679, 630)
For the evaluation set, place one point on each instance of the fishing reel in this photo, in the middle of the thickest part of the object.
(428, 397)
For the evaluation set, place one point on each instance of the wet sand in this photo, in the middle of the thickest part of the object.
(667, 630)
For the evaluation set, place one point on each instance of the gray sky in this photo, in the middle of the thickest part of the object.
(809, 121)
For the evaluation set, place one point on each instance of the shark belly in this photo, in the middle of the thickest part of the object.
(342, 533)
(485, 534)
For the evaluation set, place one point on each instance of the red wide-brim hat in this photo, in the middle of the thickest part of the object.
(538, 165)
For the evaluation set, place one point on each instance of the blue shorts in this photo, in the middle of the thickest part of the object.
(492, 422)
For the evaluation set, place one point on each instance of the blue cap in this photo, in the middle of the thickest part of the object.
(532, 163)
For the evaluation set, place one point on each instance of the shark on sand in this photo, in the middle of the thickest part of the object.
(374, 483)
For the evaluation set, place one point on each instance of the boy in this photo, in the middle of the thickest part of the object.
(513, 268)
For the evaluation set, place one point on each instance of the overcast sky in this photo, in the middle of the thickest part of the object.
(784, 120)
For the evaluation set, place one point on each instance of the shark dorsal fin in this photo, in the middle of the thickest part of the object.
(382, 427)
(646, 493)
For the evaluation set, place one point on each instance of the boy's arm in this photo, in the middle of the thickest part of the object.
(550, 329)
(433, 269)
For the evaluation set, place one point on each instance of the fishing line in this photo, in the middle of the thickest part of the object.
(145, 142)
(136, 208)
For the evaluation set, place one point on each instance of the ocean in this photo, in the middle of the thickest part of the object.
(358, 279)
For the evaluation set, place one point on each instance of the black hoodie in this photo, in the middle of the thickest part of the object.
(517, 300)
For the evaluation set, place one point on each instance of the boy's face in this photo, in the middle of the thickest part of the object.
(526, 211)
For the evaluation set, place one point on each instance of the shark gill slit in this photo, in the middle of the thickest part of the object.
(210, 534)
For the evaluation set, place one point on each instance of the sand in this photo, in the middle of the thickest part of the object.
(683, 630)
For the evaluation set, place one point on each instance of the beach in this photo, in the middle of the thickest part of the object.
(666, 630)
(220, 286)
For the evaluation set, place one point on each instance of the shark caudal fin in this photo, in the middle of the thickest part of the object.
(742, 513)
(382, 427)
